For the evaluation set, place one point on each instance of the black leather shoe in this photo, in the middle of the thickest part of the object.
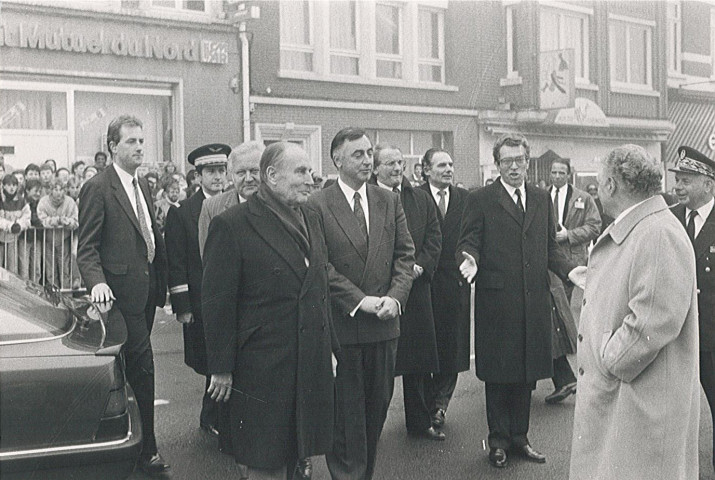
(438, 418)
(303, 470)
(430, 434)
(530, 454)
(561, 393)
(497, 457)
(153, 466)
(210, 429)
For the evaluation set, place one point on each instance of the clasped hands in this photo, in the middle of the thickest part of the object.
(385, 308)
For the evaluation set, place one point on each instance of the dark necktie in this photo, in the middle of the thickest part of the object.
(442, 202)
(556, 207)
(690, 227)
(519, 204)
(142, 222)
(396, 190)
(360, 214)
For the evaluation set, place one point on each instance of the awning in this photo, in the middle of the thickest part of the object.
(694, 127)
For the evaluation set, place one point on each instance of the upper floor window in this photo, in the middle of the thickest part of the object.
(397, 42)
(675, 36)
(631, 61)
(712, 40)
(296, 35)
(190, 5)
(512, 57)
(560, 29)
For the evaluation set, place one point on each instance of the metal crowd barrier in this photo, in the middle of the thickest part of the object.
(47, 256)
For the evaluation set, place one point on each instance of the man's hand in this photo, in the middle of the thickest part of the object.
(578, 276)
(186, 318)
(370, 305)
(102, 293)
(220, 386)
(468, 268)
(389, 309)
(417, 271)
(562, 235)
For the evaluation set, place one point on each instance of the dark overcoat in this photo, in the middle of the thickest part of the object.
(705, 268)
(514, 252)
(450, 292)
(185, 269)
(417, 348)
(267, 319)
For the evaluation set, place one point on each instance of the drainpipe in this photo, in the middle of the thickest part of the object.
(245, 82)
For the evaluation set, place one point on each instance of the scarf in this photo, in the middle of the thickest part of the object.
(290, 217)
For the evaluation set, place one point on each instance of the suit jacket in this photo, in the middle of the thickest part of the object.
(512, 306)
(185, 273)
(210, 208)
(267, 320)
(583, 222)
(386, 270)
(417, 348)
(111, 248)
(450, 292)
(705, 268)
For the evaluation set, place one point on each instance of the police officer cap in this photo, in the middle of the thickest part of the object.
(692, 161)
(214, 154)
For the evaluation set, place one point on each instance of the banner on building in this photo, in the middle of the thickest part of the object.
(557, 79)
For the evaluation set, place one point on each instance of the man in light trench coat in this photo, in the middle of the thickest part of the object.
(638, 403)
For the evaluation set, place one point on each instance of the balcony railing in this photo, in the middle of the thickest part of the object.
(47, 256)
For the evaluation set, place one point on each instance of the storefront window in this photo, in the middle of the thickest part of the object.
(31, 110)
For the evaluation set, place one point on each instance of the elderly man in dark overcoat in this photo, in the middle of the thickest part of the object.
(185, 270)
(507, 245)
(450, 292)
(417, 348)
(267, 320)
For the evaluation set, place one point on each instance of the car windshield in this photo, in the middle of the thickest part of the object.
(29, 311)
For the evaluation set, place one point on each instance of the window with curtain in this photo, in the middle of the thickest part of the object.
(191, 5)
(562, 30)
(431, 45)
(296, 36)
(33, 110)
(344, 54)
(630, 48)
(388, 44)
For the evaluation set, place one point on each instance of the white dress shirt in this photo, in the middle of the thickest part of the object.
(512, 192)
(435, 195)
(350, 197)
(563, 192)
(703, 214)
(382, 185)
(126, 179)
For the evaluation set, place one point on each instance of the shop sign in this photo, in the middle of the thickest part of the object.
(557, 81)
(585, 113)
(35, 36)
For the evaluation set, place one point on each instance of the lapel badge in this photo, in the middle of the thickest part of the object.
(712, 248)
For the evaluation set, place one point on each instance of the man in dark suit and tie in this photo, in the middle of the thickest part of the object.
(371, 266)
(450, 292)
(417, 347)
(507, 245)
(694, 183)
(185, 269)
(122, 258)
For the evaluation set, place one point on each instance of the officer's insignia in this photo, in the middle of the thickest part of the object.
(712, 248)
(215, 149)
(682, 154)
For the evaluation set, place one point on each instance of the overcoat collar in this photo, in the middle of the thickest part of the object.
(121, 195)
(195, 202)
(620, 231)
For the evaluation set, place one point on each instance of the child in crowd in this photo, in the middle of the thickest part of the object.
(32, 172)
(169, 199)
(14, 218)
(59, 215)
(89, 172)
(63, 174)
(78, 169)
(31, 243)
(46, 174)
(73, 187)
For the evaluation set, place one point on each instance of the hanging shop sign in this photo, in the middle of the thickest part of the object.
(40, 37)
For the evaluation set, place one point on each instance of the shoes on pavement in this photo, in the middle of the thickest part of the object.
(560, 394)
(528, 452)
(438, 418)
(497, 457)
(303, 470)
(153, 466)
(430, 434)
(210, 429)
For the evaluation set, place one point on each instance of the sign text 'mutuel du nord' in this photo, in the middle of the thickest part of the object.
(141, 46)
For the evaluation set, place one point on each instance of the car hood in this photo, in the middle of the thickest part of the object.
(41, 321)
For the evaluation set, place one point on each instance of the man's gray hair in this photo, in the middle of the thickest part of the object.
(378, 150)
(635, 169)
(244, 149)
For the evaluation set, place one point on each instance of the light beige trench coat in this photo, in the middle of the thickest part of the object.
(638, 400)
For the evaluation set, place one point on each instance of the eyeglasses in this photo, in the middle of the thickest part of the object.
(508, 161)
